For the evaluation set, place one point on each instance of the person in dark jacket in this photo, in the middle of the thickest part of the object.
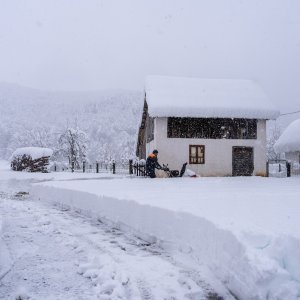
(152, 164)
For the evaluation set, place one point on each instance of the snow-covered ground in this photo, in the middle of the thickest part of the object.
(50, 253)
(241, 236)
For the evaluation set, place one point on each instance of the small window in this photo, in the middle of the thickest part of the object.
(197, 154)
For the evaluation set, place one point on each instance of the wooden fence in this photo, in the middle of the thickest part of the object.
(139, 169)
(130, 167)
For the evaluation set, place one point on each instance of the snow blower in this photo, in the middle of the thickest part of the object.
(174, 173)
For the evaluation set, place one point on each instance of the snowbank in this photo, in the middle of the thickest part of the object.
(196, 97)
(243, 231)
(33, 152)
(289, 141)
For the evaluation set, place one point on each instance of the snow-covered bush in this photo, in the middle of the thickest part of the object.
(31, 159)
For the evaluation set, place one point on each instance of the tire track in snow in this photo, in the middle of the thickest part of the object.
(145, 290)
(132, 245)
(87, 238)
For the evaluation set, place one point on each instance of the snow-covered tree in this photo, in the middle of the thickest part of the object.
(40, 136)
(273, 135)
(73, 144)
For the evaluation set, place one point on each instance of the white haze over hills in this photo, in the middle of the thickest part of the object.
(31, 117)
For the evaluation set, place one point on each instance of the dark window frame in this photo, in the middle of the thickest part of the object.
(198, 157)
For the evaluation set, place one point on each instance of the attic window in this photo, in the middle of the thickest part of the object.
(197, 154)
(212, 128)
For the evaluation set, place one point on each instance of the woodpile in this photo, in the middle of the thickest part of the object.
(26, 163)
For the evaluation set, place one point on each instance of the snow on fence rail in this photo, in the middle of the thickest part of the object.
(137, 168)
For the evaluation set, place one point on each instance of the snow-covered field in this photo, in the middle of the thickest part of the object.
(241, 236)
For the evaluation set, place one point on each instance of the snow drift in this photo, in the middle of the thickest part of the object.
(251, 264)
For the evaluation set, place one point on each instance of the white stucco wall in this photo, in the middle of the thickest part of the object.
(218, 152)
(150, 147)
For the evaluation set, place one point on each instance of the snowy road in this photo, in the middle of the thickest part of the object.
(57, 254)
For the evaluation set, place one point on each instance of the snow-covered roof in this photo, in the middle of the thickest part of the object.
(289, 141)
(196, 97)
(34, 152)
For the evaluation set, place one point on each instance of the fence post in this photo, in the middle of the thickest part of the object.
(267, 169)
(97, 167)
(114, 167)
(288, 169)
(83, 166)
(55, 168)
(130, 167)
(73, 164)
(279, 167)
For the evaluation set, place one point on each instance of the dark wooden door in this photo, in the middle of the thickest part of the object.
(242, 161)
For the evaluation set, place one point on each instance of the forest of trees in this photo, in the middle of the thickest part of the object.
(106, 122)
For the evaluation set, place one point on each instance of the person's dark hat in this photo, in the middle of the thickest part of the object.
(155, 151)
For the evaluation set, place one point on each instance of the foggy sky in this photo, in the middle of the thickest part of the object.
(93, 44)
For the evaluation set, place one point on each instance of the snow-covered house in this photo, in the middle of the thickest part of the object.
(217, 126)
(289, 142)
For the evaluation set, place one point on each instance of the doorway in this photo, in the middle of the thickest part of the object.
(242, 161)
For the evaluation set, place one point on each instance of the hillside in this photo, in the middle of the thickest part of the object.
(30, 117)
